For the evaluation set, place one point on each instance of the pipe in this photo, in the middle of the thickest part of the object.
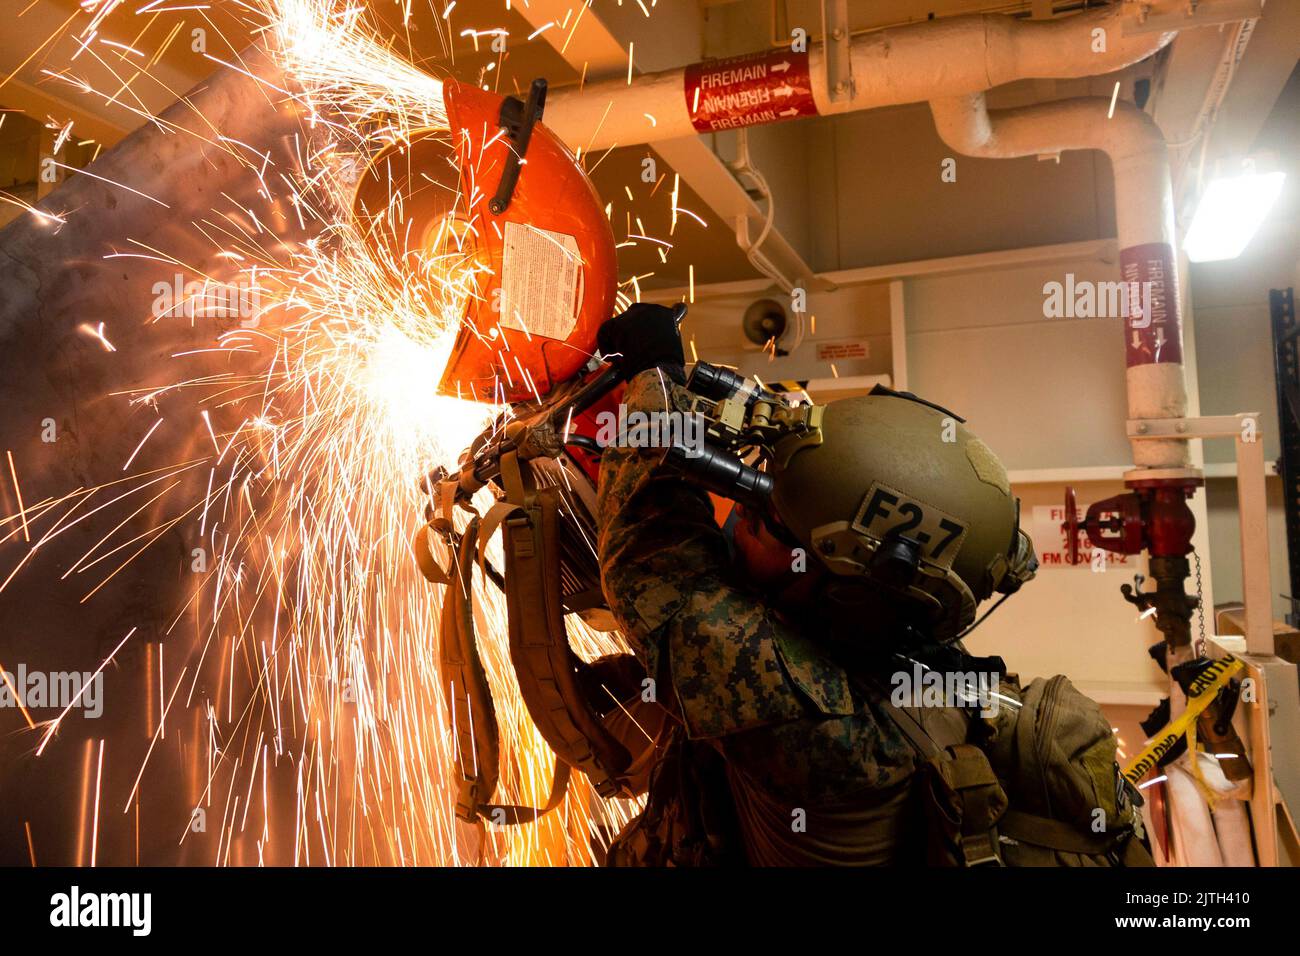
(1144, 219)
(951, 62)
(907, 64)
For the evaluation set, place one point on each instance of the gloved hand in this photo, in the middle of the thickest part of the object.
(645, 336)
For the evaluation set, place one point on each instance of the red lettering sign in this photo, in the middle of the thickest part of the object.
(747, 90)
(1153, 331)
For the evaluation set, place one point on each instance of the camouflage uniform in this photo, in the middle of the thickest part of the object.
(799, 740)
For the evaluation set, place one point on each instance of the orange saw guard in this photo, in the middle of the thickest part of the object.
(537, 280)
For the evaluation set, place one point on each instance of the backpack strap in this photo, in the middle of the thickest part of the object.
(1122, 849)
(1053, 834)
(547, 668)
(508, 814)
(963, 798)
(983, 804)
(469, 697)
(464, 681)
(549, 673)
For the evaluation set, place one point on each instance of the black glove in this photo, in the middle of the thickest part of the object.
(645, 336)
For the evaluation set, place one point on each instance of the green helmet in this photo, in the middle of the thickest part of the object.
(897, 494)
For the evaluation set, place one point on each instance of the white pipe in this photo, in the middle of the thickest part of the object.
(951, 62)
(907, 64)
(1144, 215)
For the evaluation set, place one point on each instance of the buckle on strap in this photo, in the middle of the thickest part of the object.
(983, 802)
(981, 849)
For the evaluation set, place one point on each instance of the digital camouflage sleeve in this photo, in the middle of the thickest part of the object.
(665, 570)
(736, 670)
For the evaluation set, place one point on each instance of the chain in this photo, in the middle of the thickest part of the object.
(1200, 604)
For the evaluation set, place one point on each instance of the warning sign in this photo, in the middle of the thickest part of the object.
(1152, 329)
(842, 351)
(1052, 544)
(540, 276)
(747, 90)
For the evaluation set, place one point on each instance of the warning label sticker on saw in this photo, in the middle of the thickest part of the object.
(541, 277)
(750, 89)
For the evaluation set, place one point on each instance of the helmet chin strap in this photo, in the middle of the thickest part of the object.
(729, 533)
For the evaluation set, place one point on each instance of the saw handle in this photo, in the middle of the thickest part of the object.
(609, 378)
(485, 464)
(517, 119)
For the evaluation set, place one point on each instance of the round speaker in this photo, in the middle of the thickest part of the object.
(764, 321)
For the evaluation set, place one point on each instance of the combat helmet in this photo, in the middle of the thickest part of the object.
(898, 494)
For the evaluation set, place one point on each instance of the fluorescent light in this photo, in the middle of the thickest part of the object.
(1229, 213)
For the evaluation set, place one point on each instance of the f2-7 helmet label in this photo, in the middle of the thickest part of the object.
(886, 512)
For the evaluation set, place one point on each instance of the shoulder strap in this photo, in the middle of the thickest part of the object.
(964, 798)
(473, 716)
(545, 665)
(911, 728)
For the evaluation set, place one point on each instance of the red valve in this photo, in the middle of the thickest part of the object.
(1121, 530)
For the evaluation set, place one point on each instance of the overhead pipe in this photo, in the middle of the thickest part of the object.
(1144, 220)
(906, 64)
(951, 63)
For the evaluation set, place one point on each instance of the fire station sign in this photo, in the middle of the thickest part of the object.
(1052, 544)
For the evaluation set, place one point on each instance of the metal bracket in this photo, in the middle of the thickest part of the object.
(1252, 506)
(836, 44)
(1206, 426)
(1195, 13)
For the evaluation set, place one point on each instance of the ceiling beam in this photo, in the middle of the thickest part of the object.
(44, 43)
(599, 46)
(1262, 74)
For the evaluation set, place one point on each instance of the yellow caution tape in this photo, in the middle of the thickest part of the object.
(1200, 695)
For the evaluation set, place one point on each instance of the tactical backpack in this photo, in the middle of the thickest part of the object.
(1037, 784)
